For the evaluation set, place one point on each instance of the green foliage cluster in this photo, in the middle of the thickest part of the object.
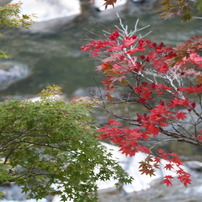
(199, 5)
(50, 91)
(182, 8)
(11, 17)
(50, 147)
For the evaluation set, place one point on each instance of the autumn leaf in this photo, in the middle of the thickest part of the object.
(167, 180)
(109, 2)
(158, 77)
(114, 122)
(181, 115)
(198, 79)
(168, 166)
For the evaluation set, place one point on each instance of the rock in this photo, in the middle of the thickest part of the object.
(50, 14)
(13, 193)
(131, 166)
(11, 72)
(194, 165)
(52, 98)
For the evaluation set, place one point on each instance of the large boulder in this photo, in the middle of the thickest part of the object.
(11, 72)
(50, 14)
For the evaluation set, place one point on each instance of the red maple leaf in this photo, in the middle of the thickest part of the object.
(168, 166)
(181, 115)
(114, 35)
(128, 42)
(177, 102)
(185, 178)
(144, 149)
(114, 122)
(167, 180)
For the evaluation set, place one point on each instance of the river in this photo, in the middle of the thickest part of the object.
(56, 58)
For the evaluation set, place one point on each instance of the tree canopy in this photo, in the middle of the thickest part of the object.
(11, 17)
(50, 147)
(163, 81)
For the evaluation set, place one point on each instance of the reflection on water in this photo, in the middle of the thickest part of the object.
(57, 59)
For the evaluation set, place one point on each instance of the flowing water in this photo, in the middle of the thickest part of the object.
(56, 58)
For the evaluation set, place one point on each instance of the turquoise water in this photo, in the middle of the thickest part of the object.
(57, 59)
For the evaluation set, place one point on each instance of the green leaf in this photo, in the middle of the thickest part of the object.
(199, 6)
(3, 54)
(53, 142)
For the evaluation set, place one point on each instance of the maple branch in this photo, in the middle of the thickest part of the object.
(159, 78)
(160, 142)
(146, 105)
(199, 115)
(103, 105)
(181, 138)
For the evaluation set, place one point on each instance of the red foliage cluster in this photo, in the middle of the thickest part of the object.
(166, 81)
